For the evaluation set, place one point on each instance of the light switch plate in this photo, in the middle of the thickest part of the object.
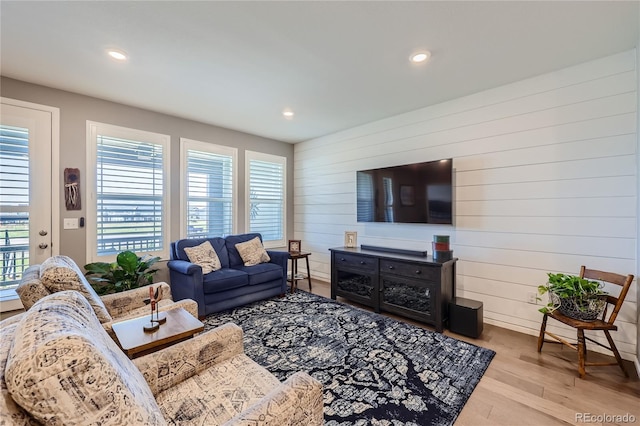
(71, 223)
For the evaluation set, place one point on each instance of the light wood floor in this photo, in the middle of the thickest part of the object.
(524, 387)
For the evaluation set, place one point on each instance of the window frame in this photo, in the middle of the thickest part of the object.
(190, 144)
(270, 158)
(93, 130)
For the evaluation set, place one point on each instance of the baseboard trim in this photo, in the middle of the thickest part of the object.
(395, 250)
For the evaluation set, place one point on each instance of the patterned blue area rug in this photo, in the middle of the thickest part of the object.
(375, 370)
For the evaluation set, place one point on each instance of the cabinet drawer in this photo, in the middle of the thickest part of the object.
(411, 270)
(365, 263)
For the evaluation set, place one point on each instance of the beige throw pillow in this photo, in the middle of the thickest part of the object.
(205, 256)
(252, 252)
(59, 273)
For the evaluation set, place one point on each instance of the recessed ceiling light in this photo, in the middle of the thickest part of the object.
(287, 114)
(419, 57)
(118, 55)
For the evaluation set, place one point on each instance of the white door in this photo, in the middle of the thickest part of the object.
(26, 231)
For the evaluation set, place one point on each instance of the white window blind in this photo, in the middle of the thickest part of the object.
(209, 189)
(14, 204)
(266, 191)
(130, 193)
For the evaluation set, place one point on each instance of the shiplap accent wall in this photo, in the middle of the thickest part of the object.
(545, 180)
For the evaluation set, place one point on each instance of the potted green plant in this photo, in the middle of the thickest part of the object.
(127, 272)
(575, 297)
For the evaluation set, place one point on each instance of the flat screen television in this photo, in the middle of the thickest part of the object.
(411, 193)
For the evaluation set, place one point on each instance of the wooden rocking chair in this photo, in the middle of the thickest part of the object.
(605, 324)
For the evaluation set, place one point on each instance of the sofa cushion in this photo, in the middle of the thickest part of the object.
(218, 244)
(231, 241)
(218, 393)
(204, 256)
(252, 252)
(224, 279)
(64, 369)
(262, 273)
(10, 412)
(31, 288)
(59, 273)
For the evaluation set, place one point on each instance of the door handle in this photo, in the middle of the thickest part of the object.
(43, 245)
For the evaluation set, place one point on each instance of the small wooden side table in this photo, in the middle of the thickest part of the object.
(294, 256)
(135, 342)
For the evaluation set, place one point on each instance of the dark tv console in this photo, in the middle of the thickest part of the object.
(413, 286)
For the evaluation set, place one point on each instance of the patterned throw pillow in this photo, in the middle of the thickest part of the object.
(205, 256)
(252, 252)
(59, 273)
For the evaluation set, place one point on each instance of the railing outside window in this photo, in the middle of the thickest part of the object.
(14, 248)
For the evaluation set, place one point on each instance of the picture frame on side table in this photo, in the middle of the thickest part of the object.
(351, 239)
(295, 246)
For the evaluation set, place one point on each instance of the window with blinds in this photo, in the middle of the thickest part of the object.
(266, 189)
(130, 192)
(14, 204)
(209, 189)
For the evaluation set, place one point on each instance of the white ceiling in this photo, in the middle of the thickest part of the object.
(336, 64)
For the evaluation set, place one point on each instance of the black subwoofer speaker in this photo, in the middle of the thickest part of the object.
(465, 317)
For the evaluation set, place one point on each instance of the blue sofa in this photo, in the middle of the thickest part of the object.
(233, 285)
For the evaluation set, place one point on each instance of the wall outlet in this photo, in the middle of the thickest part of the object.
(531, 298)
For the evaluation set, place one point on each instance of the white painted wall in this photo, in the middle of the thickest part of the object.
(545, 175)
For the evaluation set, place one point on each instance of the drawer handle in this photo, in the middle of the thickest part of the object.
(342, 259)
(390, 267)
(418, 272)
(362, 262)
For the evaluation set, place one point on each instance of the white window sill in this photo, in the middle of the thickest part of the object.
(9, 301)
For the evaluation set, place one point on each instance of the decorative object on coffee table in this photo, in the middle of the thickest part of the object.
(160, 317)
(350, 239)
(152, 325)
(295, 246)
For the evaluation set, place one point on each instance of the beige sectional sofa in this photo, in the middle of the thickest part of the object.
(59, 366)
(60, 273)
